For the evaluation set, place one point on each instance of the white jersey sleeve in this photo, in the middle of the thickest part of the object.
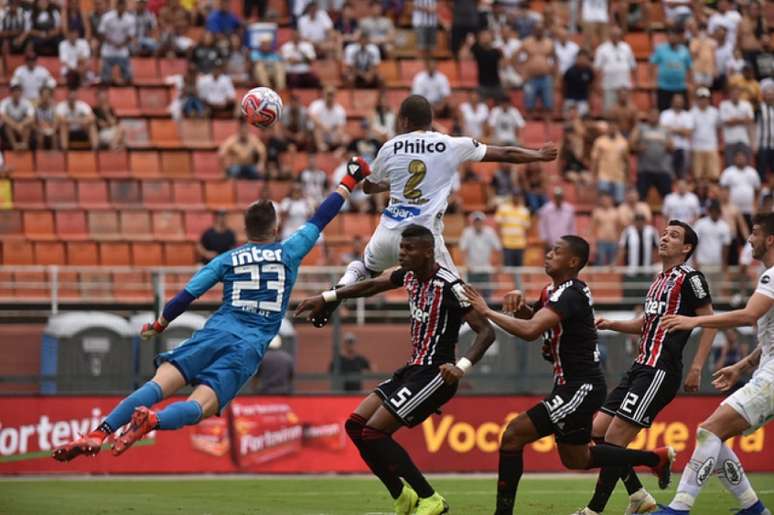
(766, 322)
(467, 149)
(379, 172)
(766, 284)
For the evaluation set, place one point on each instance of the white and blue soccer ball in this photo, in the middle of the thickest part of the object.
(262, 107)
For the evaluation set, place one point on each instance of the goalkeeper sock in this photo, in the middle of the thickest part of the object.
(508, 477)
(354, 427)
(397, 460)
(147, 395)
(179, 414)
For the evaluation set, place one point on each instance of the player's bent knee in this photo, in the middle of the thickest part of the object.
(574, 460)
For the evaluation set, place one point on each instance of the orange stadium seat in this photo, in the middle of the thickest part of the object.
(156, 194)
(61, 193)
(114, 254)
(81, 163)
(145, 164)
(315, 257)
(113, 163)
(163, 133)
(408, 69)
(50, 163)
(145, 71)
(388, 71)
(222, 129)
(147, 254)
(473, 196)
(132, 286)
(179, 254)
(640, 43)
(196, 133)
(71, 224)
(247, 192)
(468, 74)
(168, 225)
(235, 220)
(175, 164)
(136, 132)
(168, 67)
(328, 71)
(39, 225)
(103, 225)
(363, 102)
(219, 194)
(196, 222)
(187, 194)
(82, 253)
(154, 101)
(50, 253)
(95, 285)
(644, 76)
(20, 163)
(135, 224)
(10, 224)
(92, 194)
(18, 253)
(125, 192)
(51, 64)
(278, 190)
(206, 165)
(28, 193)
(453, 225)
(357, 224)
(124, 101)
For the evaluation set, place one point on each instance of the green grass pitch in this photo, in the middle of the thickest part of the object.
(319, 495)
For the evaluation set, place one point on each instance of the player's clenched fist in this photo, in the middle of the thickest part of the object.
(548, 152)
(450, 373)
(357, 170)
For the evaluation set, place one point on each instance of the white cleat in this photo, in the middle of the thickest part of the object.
(641, 502)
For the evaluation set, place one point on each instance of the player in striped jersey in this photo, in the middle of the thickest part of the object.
(438, 306)
(655, 377)
(748, 408)
(565, 316)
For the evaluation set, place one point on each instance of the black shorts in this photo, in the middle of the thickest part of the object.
(415, 392)
(568, 412)
(641, 394)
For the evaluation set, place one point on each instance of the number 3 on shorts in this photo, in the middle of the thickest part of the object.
(402, 396)
(417, 170)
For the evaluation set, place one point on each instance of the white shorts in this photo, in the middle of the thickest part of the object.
(381, 252)
(755, 400)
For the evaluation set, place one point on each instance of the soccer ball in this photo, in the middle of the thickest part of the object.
(261, 107)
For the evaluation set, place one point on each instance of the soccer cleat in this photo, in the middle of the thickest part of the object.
(407, 502)
(321, 317)
(664, 468)
(666, 510)
(88, 445)
(641, 502)
(756, 509)
(143, 422)
(433, 505)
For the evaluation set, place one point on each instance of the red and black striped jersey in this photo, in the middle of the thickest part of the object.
(573, 343)
(680, 290)
(437, 308)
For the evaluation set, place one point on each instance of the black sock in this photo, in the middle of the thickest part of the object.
(508, 476)
(608, 477)
(397, 459)
(354, 427)
(605, 455)
(631, 481)
(105, 428)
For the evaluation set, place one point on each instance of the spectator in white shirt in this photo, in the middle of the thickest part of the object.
(594, 21)
(679, 123)
(379, 28)
(18, 117)
(74, 54)
(727, 18)
(117, 28)
(45, 121)
(737, 118)
(76, 121)
(31, 77)
(744, 185)
(383, 119)
(704, 140)
(361, 63)
(298, 55)
(473, 115)
(509, 44)
(15, 27)
(434, 86)
(505, 122)
(615, 62)
(681, 204)
(217, 91)
(45, 27)
(314, 180)
(316, 27)
(714, 239)
(478, 242)
(566, 50)
(330, 122)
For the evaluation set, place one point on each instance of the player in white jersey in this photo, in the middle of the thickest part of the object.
(418, 167)
(748, 408)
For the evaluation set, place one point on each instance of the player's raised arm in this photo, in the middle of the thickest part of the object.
(365, 288)
(518, 155)
(758, 305)
(633, 326)
(529, 330)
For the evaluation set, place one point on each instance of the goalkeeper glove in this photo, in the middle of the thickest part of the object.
(148, 331)
(357, 170)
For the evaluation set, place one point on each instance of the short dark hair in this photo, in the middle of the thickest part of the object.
(689, 236)
(419, 232)
(766, 221)
(579, 248)
(260, 219)
(417, 110)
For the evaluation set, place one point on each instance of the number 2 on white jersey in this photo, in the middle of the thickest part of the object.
(254, 283)
(417, 171)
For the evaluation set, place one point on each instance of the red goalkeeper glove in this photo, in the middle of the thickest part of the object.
(150, 330)
(357, 170)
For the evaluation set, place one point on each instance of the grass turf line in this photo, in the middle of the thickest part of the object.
(339, 496)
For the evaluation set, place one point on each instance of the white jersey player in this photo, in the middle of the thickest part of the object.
(418, 168)
(748, 408)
